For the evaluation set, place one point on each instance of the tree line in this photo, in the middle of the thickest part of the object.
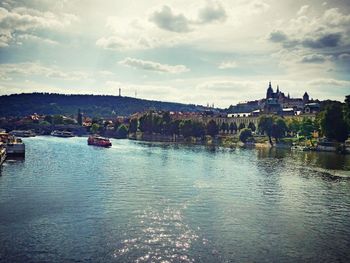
(333, 122)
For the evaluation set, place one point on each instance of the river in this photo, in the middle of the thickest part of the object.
(150, 202)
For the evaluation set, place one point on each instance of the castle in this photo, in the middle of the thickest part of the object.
(277, 103)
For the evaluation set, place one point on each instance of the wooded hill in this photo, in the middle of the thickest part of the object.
(91, 105)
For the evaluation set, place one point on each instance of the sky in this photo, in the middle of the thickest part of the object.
(200, 51)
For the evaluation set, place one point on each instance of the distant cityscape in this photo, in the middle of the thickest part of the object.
(125, 117)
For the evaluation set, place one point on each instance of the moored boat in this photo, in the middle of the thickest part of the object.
(99, 141)
(64, 134)
(327, 146)
(299, 148)
(347, 146)
(2, 153)
(20, 133)
(14, 146)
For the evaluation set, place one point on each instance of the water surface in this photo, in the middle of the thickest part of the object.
(143, 202)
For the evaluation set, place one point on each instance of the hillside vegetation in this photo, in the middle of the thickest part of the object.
(91, 105)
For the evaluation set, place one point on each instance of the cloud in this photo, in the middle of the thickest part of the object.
(153, 66)
(227, 65)
(314, 58)
(20, 20)
(163, 27)
(278, 36)
(258, 6)
(329, 82)
(153, 91)
(118, 43)
(167, 20)
(7, 71)
(303, 10)
(327, 31)
(325, 41)
(213, 11)
(344, 57)
(36, 39)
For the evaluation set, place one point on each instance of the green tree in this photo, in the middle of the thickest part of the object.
(174, 127)
(57, 119)
(212, 128)
(80, 118)
(333, 124)
(157, 124)
(347, 111)
(198, 129)
(307, 127)
(116, 124)
(317, 122)
(186, 128)
(133, 125)
(122, 132)
(265, 126)
(166, 120)
(44, 123)
(98, 120)
(69, 121)
(49, 119)
(293, 126)
(245, 134)
(166, 117)
(252, 126)
(278, 128)
(241, 126)
(94, 128)
(146, 123)
(190, 128)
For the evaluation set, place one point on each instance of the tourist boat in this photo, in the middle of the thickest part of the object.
(14, 146)
(99, 141)
(64, 134)
(20, 133)
(2, 153)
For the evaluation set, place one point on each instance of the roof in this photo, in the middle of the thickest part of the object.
(314, 104)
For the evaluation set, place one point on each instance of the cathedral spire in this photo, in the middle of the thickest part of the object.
(269, 92)
(278, 89)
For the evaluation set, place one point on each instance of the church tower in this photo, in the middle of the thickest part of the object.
(269, 92)
(305, 98)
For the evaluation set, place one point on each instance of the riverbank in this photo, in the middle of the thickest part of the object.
(232, 141)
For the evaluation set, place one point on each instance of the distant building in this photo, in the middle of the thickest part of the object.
(311, 108)
(274, 103)
(272, 106)
(305, 98)
(286, 101)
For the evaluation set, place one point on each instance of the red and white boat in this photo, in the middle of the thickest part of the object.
(99, 141)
